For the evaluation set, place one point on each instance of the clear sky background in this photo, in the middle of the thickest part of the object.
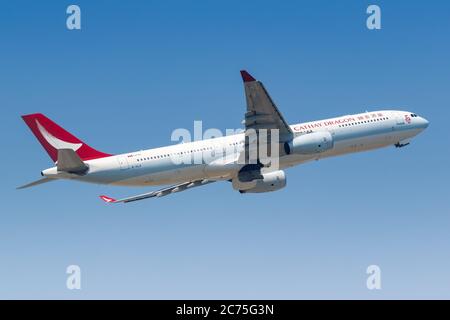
(139, 69)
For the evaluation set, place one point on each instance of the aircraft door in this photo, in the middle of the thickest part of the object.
(123, 162)
(399, 119)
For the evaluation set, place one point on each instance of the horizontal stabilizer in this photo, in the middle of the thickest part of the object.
(69, 161)
(35, 183)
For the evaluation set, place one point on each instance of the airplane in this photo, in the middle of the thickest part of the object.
(295, 144)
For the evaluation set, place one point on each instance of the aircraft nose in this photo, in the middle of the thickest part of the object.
(423, 123)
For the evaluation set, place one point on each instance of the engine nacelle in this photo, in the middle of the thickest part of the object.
(310, 143)
(271, 181)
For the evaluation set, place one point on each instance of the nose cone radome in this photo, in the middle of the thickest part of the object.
(422, 122)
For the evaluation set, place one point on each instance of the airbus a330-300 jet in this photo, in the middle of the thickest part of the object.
(295, 144)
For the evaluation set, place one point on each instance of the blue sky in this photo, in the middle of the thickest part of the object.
(136, 71)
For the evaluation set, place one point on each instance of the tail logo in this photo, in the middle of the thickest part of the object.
(55, 142)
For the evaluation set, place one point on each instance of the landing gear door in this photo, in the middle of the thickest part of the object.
(123, 162)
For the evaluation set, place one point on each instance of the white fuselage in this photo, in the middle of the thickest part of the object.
(159, 166)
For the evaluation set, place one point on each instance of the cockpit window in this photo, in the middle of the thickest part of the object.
(413, 115)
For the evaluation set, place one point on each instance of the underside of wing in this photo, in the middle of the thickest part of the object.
(159, 193)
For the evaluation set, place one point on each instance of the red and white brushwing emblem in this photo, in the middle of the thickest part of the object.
(107, 199)
(407, 119)
(55, 142)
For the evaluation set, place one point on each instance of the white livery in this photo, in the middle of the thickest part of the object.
(188, 165)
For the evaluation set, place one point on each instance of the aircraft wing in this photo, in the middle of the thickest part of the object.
(159, 193)
(262, 113)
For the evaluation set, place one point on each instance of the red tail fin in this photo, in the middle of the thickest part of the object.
(52, 137)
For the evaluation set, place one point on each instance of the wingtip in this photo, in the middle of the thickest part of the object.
(247, 77)
(107, 199)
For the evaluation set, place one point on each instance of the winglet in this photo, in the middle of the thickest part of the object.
(246, 76)
(108, 199)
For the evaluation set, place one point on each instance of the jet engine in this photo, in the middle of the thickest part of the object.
(310, 143)
(270, 181)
